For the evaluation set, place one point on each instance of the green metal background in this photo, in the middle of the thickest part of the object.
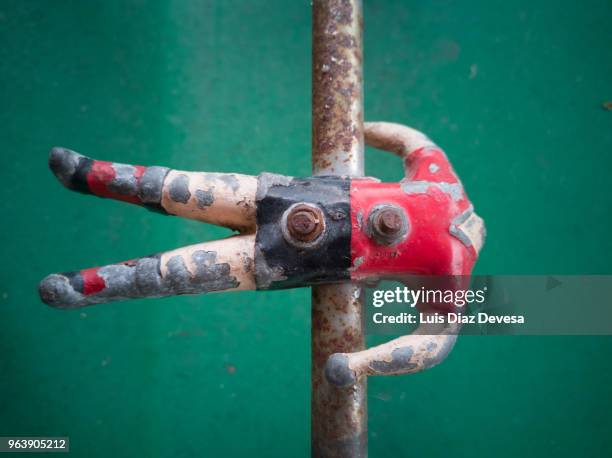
(512, 89)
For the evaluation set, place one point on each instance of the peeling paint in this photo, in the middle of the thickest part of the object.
(436, 355)
(151, 184)
(247, 263)
(230, 180)
(205, 198)
(454, 190)
(401, 361)
(409, 354)
(125, 181)
(138, 278)
(130, 183)
(179, 189)
(469, 228)
(360, 219)
(265, 275)
(267, 180)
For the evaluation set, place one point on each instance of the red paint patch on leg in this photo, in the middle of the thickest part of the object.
(92, 282)
(99, 176)
(102, 173)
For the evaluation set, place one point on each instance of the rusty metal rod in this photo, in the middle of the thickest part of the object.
(339, 415)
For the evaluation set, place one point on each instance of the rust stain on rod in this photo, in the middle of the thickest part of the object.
(339, 415)
(337, 88)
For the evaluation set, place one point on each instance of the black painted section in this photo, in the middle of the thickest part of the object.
(78, 182)
(279, 264)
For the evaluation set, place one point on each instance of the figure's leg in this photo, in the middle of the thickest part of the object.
(221, 265)
(217, 198)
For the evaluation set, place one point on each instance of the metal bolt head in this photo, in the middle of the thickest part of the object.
(387, 224)
(388, 221)
(305, 223)
(302, 223)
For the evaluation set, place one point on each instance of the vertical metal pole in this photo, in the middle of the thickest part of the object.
(339, 415)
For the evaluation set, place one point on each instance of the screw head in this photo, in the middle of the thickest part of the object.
(302, 223)
(388, 221)
(388, 224)
(305, 223)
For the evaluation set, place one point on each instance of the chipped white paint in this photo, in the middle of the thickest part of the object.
(232, 195)
(473, 229)
(430, 344)
(237, 251)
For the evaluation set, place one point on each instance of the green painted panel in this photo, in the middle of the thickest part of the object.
(512, 89)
